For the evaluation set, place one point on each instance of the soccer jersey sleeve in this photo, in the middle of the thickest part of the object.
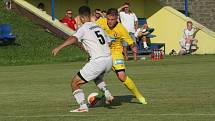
(80, 33)
(101, 22)
(125, 35)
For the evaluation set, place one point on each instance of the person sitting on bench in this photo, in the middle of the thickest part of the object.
(188, 42)
(144, 34)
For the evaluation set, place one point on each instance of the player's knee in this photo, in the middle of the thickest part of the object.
(122, 77)
(76, 83)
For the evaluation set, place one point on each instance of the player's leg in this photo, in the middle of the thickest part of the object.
(102, 86)
(128, 82)
(104, 92)
(101, 66)
(119, 68)
(78, 93)
(89, 72)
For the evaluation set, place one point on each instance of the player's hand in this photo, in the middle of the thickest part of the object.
(55, 51)
(125, 6)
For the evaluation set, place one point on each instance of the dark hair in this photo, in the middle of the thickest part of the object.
(97, 9)
(104, 11)
(126, 3)
(41, 6)
(112, 11)
(84, 10)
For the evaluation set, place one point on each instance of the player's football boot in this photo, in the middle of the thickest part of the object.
(109, 99)
(142, 100)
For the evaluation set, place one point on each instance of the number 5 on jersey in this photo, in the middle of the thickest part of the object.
(100, 37)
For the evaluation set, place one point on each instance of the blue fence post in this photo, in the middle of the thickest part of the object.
(53, 14)
(186, 7)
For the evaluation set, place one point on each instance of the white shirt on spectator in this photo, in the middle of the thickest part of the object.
(188, 33)
(128, 19)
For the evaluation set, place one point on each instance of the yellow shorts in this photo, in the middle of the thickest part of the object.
(118, 62)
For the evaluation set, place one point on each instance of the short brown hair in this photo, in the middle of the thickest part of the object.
(112, 11)
(126, 3)
(189, 22)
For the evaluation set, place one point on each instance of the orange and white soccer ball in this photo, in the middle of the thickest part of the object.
(91, 99)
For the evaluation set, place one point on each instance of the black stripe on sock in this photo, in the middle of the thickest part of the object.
(119, 70)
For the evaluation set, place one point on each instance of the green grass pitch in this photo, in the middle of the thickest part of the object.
(177, 89)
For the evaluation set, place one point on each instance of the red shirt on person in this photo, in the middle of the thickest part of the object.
(70, 22)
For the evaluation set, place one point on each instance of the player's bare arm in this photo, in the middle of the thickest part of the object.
(69, 41)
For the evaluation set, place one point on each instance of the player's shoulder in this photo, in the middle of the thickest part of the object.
(87, 25)
(101, 21)
(120, 27)
(90, 26)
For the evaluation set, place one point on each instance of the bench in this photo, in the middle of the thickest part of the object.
(152, 46)
(6, 36)
(157, 46)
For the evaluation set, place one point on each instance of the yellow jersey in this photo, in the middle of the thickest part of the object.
(117, 35)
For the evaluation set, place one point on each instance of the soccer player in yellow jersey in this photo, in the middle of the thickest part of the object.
(117, 32)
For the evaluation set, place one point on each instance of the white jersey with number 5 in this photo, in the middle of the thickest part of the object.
(94, 40)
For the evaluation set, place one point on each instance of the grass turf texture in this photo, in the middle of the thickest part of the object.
(177, 88)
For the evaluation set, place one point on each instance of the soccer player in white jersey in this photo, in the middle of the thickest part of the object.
(96, 43)
(188, 37)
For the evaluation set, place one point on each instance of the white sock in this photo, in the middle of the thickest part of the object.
(187, 47)
(145, 45)
(103, 88)
(80, 98)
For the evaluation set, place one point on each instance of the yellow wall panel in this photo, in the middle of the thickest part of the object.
(169, 25)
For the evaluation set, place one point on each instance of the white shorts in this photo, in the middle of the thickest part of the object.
(182, 43)
(96, 68)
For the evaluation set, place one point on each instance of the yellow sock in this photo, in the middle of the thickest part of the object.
(132, 87)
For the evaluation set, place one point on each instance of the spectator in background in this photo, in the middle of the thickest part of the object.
(69, 21)
(96, 15)
(8, 4)
(188, 41)
(130, 21)
(104, 14)
(144, 34)
(41, 6)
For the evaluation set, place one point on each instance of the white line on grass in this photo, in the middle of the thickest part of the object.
(109, 114)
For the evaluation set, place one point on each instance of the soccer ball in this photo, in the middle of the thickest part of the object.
(91, 99)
